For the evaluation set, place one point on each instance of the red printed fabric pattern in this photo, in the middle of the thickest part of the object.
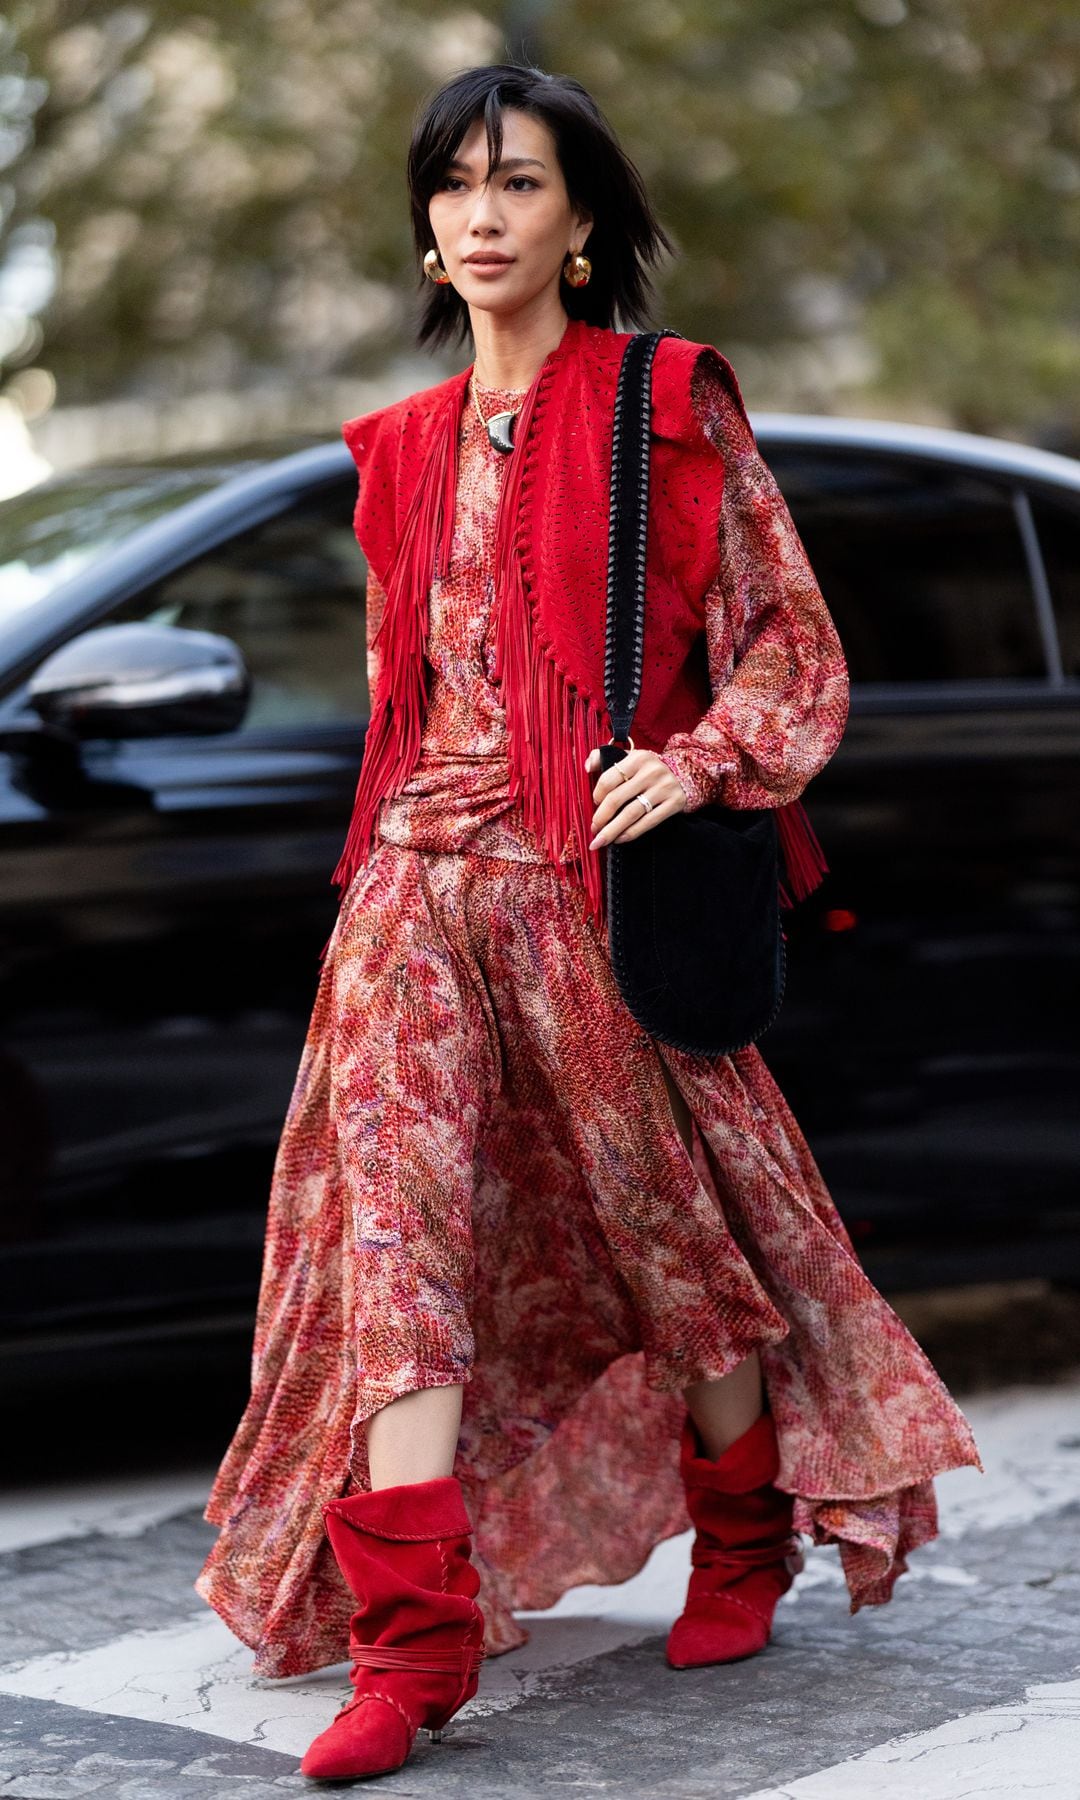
(479, 1180)
(777, 671)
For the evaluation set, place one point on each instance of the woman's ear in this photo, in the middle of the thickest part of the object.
(586, 220)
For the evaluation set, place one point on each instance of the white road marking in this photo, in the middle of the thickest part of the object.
(1028, 1749)
(120, 1508)
(194, 1672)
(1029, 1440)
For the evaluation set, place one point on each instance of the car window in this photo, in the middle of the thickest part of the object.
(290, 595)
(1058, 525)
(922, 566)
(60, 526)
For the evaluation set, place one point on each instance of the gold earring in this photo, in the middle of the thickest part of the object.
(577, 269)
(433, 268)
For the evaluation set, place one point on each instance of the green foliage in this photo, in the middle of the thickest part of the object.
(877, 204)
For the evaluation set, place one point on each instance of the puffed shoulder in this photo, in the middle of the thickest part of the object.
(695, 387)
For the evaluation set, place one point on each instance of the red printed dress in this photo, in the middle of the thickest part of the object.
(480, 1180)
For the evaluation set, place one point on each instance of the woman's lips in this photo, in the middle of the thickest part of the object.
(490, 268)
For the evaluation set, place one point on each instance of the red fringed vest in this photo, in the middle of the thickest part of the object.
(551, 552)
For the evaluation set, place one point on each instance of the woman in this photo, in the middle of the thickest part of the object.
(538, 1290)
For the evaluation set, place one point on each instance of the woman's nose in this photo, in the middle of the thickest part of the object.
(485, 213)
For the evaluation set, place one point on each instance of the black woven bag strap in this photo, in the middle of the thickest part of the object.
(627, 531)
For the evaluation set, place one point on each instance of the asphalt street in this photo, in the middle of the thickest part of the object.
(117, 1680)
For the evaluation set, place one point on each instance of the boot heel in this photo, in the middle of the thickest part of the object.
(435, 1733)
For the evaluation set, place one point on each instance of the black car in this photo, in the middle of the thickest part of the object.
(182, 711)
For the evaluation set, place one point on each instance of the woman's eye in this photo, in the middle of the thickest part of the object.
(453, 182)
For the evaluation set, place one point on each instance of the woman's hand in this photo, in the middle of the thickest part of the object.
(617, 815)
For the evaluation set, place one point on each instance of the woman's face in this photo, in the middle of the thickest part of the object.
(522, 215)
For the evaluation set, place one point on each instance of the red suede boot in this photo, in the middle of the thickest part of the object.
(417, 1640)
(745, 1554)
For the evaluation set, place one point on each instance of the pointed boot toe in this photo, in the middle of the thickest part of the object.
(716, 1630)
(368, 1737)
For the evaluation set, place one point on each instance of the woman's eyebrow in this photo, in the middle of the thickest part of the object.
(508, 162)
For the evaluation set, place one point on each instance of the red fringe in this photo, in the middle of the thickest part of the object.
(392, 744)
(804, 859)
(550, 726)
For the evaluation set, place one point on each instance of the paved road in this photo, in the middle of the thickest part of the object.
(116, 1680)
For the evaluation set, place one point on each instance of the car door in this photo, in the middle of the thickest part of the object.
(923, 1038)
(168, 918)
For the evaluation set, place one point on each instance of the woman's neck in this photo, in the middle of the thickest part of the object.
(509, 352)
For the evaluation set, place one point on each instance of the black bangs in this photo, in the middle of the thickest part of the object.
(601, 180)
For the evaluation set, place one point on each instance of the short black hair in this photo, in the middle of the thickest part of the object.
(600, 178)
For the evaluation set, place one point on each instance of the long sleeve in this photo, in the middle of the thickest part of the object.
(777, 671)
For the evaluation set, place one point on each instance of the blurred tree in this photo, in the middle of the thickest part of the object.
(876, 201)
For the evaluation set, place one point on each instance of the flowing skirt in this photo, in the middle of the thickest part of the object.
(480, 1180)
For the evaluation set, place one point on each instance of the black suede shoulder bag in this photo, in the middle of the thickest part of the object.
(693, 903)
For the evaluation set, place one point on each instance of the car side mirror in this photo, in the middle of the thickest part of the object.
(133, 681)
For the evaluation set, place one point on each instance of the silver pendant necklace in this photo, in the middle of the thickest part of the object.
(500, 426)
